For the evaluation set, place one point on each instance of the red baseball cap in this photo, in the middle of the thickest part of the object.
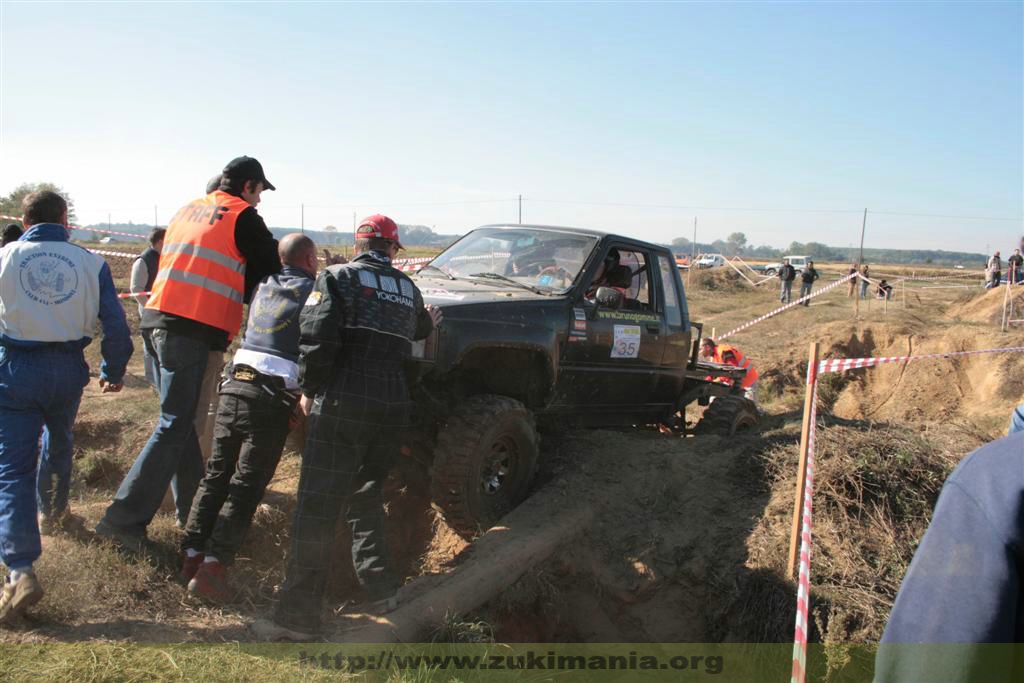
(378, 226)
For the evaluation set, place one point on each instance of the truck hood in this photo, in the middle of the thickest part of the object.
(440, 291)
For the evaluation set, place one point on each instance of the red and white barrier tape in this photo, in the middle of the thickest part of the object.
(129, 295)
(780, 309)
(803, 592)
(844, 364)
(114, 253)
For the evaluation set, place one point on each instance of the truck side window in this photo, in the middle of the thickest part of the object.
(673, 316)
(638, 297)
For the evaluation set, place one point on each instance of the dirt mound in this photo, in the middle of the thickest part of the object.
(718, 280)
(658, 563)
(981, 306)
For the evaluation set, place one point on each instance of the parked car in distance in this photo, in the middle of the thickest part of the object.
(797, 262)
(710, 261)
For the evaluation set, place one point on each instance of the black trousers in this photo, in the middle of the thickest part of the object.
(351, 445)
(249, 435)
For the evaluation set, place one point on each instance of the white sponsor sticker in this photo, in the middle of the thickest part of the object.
(388, 284)
(579, 313)
(441, 294)
(367, 279)
(313, 299)
(627, 341)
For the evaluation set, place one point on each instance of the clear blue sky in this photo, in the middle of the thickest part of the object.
(752, 113)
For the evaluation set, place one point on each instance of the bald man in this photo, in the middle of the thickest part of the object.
(258, 398)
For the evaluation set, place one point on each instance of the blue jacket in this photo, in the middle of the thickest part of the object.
(273, 325)
(52, 292)
(964, 584)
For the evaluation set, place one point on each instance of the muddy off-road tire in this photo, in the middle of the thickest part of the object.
(485, 459)
(729, 415)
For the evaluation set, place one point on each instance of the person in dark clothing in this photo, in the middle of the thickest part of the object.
(357, 328)
(258, 398)
(144, 270)
(807, 277)
(884, 290)
(852, 287)
(964, 587)
(217, 249)
(1015, 267)
(11, 233)
(787, 273)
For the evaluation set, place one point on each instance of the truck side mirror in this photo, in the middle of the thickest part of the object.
(609, 297)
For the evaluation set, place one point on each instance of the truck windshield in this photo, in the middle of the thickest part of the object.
(539, 259)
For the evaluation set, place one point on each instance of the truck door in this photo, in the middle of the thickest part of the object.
(611, 357)
(672, 308)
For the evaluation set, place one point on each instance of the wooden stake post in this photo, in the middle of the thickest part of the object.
(801, 475)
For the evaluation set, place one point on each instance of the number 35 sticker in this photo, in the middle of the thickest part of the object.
(627, 341)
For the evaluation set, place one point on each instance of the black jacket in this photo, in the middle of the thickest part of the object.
(809, 275)
(256, 243)
(787, 273)
(360, 321)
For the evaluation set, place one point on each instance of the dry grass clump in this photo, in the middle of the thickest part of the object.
(875, 488)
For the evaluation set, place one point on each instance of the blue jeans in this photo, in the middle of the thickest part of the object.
(172, 455)
(786, 294)
(805, 290)
(149, 360)
(53, 483)
(37, 387)
(864, 289)
(1017, 420)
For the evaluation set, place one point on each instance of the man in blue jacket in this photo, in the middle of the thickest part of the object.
(51, 294)
(964, 590)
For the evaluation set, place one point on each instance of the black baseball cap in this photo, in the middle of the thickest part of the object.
(247, 168)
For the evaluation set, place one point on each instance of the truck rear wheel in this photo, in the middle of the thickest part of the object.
(485, 459)
(729, 415)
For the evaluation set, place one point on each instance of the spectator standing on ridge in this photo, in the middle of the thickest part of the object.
(1015, 267)
(964, 587)
(216, 250)
(787, 274)
(807, 277)
(864, 281)
(358, 326)
(144, 270)
(853, 280)
(258, 399)
(994, 270)
(11, 233)
(52, 292)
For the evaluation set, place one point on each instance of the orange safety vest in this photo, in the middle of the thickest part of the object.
(202, 273)
(741, 361)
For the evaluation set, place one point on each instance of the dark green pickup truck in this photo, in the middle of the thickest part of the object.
(556, 326)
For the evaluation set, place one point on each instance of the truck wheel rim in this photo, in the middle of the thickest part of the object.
(498, 465)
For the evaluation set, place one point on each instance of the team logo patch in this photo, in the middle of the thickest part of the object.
(314, 298)
(407, 288)
(48, 278)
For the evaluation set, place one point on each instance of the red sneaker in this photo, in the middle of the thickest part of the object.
(189, 567)
(211, 583)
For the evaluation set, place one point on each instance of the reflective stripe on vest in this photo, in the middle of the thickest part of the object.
(741, 361)
(202, 273)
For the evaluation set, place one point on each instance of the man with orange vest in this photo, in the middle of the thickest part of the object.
(726, 354)
(216, 250)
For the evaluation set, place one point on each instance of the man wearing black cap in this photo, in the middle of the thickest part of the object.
(216, 250)
(357, 329)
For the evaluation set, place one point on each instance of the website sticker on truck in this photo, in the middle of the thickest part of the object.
(627, 341)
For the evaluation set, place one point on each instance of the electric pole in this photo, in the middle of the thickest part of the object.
(520, 209)
(302, 209)
(156, 224)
